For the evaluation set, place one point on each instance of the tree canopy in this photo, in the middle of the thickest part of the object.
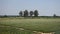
(26, 13)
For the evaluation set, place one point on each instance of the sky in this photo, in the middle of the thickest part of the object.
(44, 7)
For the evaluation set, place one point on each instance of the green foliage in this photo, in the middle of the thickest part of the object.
(21, 13)
(31, 13)
(35, 13)
(54, 15)
(25, 13)
(5, 15)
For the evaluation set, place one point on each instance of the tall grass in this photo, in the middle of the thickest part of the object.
(43, 25)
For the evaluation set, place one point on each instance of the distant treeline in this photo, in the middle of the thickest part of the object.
(30, 14)
(4, 16)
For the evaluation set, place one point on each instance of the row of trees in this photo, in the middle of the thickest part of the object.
(26, 13)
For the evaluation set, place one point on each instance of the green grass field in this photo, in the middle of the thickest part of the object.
(29, 25)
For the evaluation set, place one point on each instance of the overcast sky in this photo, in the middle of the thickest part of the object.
(45, 7)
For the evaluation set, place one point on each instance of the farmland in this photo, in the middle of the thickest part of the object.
(29, 25)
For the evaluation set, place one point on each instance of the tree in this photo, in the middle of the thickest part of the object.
(25, 13)
(54, 15)
(20, 13)
(31, 13)
(5, 16)
(35, 13)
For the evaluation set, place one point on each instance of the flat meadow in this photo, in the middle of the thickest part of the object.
(14, 25)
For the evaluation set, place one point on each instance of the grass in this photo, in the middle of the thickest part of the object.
(43, 25)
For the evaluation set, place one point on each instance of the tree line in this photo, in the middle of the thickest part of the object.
(27, 13)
